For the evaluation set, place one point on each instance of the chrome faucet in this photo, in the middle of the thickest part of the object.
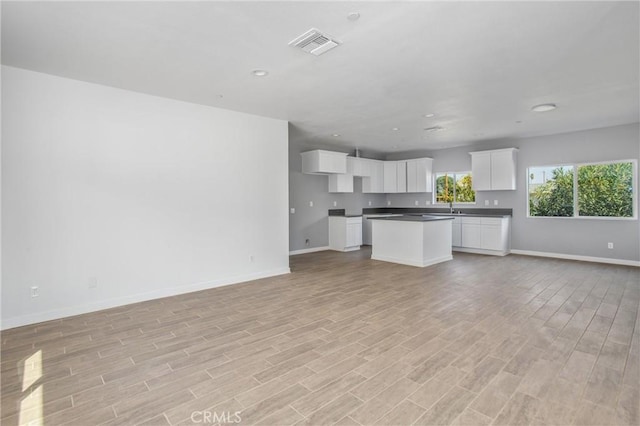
(451, 207)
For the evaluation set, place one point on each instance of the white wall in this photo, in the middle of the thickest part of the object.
(143, 196)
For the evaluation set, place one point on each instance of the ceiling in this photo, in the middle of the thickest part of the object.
(478, 66)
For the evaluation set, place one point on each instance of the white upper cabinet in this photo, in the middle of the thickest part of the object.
(323, 162)
(340, 182)
(395, 176)
(374, 183)
(357, 166)
(378, 177)
(401, 175)
(390, 177)
(419, 175)
(494, 170)
(503, 169)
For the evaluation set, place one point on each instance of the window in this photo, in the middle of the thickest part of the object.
(583, 190)
(454, 188)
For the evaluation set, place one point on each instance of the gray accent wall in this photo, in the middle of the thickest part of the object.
(312, 223)
(566, 236)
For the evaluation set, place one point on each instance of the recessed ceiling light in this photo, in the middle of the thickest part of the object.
(260, 73)
(395, 129)
(429, 115)
(518, 122)
(335, 135)
(543, 107)
(353, 16)
(434, 129)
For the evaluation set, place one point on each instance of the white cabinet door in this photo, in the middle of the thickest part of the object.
(456, 233)
(322, 162)
(340, 183)
(390, 177)
(401, 181)
(481, 171)
(425, 175)
(354, 234)
(419, 175)
(412, 176)
(375, 182)
(358, 166)
(345, 233)
(491, 237)
(471, 235)
(503, 170)
(494, 170)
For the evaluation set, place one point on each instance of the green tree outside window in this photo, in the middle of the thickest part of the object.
(604, 190)
(454, 188)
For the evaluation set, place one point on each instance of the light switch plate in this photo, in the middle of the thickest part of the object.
(486, 202)
(310, 203)
(293, 210)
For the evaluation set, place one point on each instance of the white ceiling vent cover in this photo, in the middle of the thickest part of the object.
(314, 42)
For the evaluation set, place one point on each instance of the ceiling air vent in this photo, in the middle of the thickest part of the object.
(314, 42)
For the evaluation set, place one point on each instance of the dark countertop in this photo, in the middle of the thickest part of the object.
(466, 211)
(341, 213)
(413, 218)
(462, 215)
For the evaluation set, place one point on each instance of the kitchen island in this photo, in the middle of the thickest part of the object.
(420, 240)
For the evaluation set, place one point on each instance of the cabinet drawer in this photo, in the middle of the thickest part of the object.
(354, 221)
(470, 220)
(491, 220)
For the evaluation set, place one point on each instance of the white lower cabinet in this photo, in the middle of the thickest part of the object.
(471, 235)
(345, 233)
(488, 235)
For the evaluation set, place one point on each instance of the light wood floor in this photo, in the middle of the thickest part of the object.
(478, 340)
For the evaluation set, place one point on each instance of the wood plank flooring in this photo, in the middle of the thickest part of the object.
(350, 341)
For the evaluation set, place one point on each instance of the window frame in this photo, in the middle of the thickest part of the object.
(435, 201)
(576, 214)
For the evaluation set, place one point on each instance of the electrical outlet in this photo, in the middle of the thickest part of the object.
(335, 204)
(307, 241)
(388, 203)
(417, 203)
(369, 203)
(293, 210)
(35, 291)
(486, 202)
(495, 202)
(310, 203)
(610, 246)
(427, 203)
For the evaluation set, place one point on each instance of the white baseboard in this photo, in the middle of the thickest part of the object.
(418, 263)
(578, 257)
(480, 251)
(136, 298)
(309, 250)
